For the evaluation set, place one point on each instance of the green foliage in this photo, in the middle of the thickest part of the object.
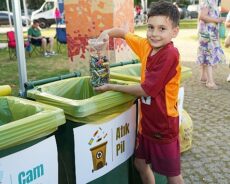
(32, 4)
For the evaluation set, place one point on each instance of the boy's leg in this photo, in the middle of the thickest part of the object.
(44, 45)
(176, 180)
(51, 43)
(145, 171)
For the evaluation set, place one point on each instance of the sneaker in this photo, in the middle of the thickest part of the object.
(52, 53)
(228, 79)
(46, 54)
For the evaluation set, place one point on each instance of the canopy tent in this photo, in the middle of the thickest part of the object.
(19, 44)
(8, 9)
(144, 4)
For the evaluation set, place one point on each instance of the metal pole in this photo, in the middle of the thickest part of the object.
(8, 9)
(25, 10)
(19, 46)
(144, 5)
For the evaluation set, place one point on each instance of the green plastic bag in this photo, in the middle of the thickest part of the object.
(23, 120)
(80, 102)
(5, 113)
(132, 72)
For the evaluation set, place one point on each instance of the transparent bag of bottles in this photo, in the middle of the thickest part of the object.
(99, 62)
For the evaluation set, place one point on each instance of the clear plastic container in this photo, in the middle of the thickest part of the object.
(99, 62)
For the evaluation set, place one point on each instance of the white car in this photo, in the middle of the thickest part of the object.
(193, 10)
(4, 18)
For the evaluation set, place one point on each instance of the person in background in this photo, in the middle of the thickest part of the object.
(227, 40)
(58, 16)
(35, 37)
(158, 147)
(210, 52)
(138, 10)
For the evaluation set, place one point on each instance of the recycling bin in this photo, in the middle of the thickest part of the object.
(98, 139)
(28, 150)
(131, 71)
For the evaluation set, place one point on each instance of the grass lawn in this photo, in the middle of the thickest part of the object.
(184, 24)
(39, 67)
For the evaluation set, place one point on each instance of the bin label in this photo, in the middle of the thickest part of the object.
(99, 148)
(33, 165)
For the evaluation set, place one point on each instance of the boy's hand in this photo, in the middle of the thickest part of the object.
(103, 88)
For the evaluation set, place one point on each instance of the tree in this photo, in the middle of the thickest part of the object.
(31, 4)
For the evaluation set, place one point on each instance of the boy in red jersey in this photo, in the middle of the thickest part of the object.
(157, 146)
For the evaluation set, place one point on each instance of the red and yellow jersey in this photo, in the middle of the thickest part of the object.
(160, 76)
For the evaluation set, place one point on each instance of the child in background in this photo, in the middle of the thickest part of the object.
(57, 16)
(157, 148)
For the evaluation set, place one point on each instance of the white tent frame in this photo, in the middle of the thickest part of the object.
(20, 50)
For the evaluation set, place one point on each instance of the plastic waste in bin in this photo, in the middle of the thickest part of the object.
(28, 151)
(90, 116)
(132, 72)
(99, 62)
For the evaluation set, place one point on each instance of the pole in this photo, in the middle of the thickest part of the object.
(144, 4)
(25, 10)
(8, 9)
(19, 46)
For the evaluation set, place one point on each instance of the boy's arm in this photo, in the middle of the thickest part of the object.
(135, 90)
(114, 33)
(117, 33)
(30, 35)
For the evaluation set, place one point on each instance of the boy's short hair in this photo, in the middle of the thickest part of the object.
(35, 21)
(164, 8)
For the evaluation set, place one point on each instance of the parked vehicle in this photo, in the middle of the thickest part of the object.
(193, 10)
(4, 18)
(46, 13)
(183, 12)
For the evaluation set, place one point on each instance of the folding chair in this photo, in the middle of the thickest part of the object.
(35, 49)
(61, 38)
(12, 44)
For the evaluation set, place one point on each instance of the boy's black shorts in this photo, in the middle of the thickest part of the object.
(39, 41)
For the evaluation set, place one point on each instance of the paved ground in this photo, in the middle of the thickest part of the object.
(208, 162)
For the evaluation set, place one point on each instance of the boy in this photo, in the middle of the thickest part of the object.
(34, 34)
(157, 141)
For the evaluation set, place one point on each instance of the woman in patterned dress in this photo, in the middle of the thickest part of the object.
(210, 52)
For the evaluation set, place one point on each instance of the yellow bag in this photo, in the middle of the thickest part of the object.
(5, 90)
(186, 129)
